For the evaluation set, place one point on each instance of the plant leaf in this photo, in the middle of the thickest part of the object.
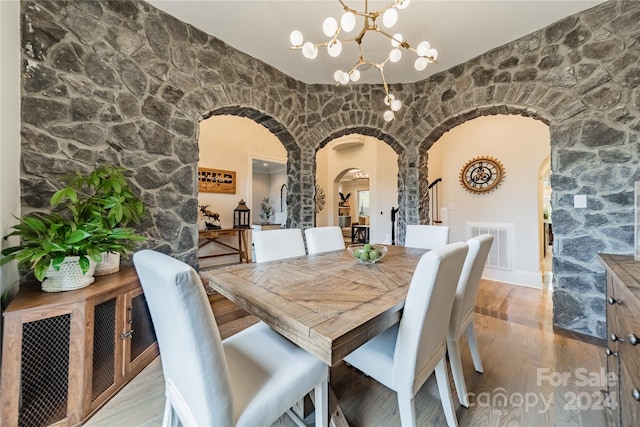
(76, 236)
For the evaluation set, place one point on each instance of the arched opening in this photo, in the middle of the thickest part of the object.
(257, 160)
(545, 228)
(515, 256)
(336, 165)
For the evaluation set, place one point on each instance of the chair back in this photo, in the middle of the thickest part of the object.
(324, 239)
(467, 290)
(280, 218)
(193, 361)
(271, 245)
(422, 333)
(426, 236)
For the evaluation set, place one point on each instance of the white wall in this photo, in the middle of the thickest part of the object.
(261, 189)
(515, 201)
(231, 143)
(377, 159)
(9, 133)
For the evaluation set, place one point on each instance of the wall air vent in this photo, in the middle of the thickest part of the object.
(501, 252)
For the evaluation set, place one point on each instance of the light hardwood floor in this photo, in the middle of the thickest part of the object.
(532, 377)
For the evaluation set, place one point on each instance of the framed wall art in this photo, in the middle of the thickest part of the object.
(216, 181)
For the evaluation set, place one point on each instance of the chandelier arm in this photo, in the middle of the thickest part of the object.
(385, 86)
(383, 10)
(430, 58)
(349, 40)
(402, 43)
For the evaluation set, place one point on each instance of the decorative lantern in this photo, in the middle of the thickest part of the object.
(241, 216)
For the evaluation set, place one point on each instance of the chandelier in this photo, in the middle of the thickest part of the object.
(359, 174)
(332, 29)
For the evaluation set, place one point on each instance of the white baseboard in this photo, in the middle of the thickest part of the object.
(522, 278)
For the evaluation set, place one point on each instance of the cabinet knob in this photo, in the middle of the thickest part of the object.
(608, 352)
(612, 300)
(615, 338)
(633, 339)
(636, 394)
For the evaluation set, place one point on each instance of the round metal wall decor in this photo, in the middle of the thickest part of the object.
(482, 174)
(318, 198)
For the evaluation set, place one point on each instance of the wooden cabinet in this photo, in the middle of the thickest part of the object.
(344, 216)
(623, 336)
(65, 354)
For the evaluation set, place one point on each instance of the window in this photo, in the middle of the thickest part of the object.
(363, 203)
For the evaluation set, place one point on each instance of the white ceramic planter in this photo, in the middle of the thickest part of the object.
(110, 264)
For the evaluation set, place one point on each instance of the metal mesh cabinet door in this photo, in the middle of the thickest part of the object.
(44, 371)
(104, 373)
(140, 338)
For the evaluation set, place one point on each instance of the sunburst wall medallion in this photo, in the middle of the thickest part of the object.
(318, 198)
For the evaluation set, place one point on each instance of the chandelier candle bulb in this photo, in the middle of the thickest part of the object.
(329, 27)
(423, 48)
(395, 55)
(309, 50)
(388, 116)
(296, 38)
(335, 48)
(397, 40)
(389, 18)
(348, 22)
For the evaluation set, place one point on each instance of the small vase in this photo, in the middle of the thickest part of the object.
(69, 276)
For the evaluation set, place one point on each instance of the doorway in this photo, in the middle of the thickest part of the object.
(546, 226)
(365, 160)
(354, 206)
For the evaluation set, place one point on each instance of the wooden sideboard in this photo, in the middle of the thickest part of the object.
(65, 354)
(623, 330)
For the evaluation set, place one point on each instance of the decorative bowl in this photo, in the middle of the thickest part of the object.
(367, 253)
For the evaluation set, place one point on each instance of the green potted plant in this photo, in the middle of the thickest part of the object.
(267, 209)
(63, 247)
(104, 194)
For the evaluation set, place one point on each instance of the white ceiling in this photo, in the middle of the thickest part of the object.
(459, 29)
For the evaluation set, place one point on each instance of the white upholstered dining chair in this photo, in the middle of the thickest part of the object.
(324, 239)
(426, 236)
(249, 379)
(271, 245)
(403, 357)
(463, 311)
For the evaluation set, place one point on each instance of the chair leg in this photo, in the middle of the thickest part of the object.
(458, 374)
(407, 408)
(445, 393)
(170, 418)
(321, 394)
(473, 346)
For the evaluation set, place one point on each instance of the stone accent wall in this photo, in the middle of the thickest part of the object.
(125, 83)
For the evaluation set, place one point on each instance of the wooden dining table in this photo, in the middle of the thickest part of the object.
(328, 303)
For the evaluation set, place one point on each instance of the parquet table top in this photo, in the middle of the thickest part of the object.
(326, 303)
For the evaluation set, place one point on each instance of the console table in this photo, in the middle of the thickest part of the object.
(65, 354)
(623, 330)
(212, 236)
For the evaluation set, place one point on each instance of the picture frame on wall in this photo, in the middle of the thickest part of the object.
(216, 181)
